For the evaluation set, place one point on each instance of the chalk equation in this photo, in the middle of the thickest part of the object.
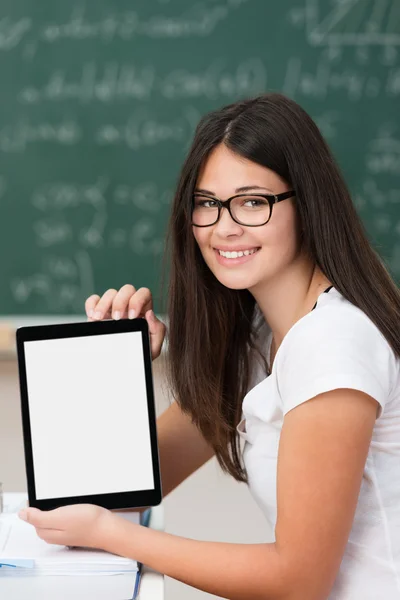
(62, 283)
(353, 22)
(100, 104)
(200, 20)
(117, 82)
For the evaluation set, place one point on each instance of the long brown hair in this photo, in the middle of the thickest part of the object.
(212, 329)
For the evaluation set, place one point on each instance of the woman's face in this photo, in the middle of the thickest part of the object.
(277, 243)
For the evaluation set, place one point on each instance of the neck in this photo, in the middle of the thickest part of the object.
(289, 297)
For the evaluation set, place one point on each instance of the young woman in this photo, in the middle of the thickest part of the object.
(283, 331)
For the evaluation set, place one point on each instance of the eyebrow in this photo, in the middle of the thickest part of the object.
(245, 188)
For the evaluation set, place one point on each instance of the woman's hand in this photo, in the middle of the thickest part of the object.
(128, 303)
(74, 525)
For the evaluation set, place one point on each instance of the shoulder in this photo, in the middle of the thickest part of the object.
(336, 346)
(333, 322)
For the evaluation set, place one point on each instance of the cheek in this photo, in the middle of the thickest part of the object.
(283, 235)
(201, 236)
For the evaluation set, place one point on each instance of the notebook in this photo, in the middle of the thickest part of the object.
(24, 554)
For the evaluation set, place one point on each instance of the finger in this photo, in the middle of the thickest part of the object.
(140, 303)
(121, 301)
(157, 331)
(39, 518)
(90, 305)
(103, 308)
(155, 325)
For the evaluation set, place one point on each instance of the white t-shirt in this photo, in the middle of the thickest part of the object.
(336, 346)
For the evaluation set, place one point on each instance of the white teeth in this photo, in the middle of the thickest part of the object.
(237, 254)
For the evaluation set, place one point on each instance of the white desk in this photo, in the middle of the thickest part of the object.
(59, 588)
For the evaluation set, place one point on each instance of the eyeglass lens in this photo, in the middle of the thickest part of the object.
(248, 210)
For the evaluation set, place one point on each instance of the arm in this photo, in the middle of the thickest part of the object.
(234, 571)
(322, 453)
(182, 448)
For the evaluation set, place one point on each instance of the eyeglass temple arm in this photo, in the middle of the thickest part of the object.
(284, 195)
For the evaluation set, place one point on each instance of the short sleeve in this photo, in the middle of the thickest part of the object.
(335, 348)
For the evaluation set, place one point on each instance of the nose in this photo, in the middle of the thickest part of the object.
(226, 225)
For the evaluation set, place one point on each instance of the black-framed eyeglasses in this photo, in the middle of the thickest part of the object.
(250, 210)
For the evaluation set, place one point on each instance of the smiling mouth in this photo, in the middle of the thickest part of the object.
(237, 254)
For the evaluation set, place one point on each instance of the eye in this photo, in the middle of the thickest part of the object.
(204, 202)
(254, 202)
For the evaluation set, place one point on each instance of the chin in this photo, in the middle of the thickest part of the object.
(236, 283)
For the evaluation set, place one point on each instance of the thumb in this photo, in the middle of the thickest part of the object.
(34, 516)
(157, 333)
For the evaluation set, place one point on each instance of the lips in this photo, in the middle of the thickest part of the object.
(236, 248)
(237, 260)
(237, 254)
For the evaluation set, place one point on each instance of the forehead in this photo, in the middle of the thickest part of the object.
(224, 171)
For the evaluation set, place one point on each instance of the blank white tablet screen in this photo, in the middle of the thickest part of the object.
(88, 415)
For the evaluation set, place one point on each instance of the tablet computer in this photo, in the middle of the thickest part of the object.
(88, 414)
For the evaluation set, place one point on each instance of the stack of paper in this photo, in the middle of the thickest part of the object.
(23, 553)
(14, 501)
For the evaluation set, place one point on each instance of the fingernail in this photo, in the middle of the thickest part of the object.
(23, 515)
(97, 314)
(90, 313)
(132, 313)
(117, 315)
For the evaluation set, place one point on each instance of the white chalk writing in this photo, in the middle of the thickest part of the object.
(197, 20)
(141, 130)
(354, 83)
(16, 138)
(62, 195)
(113, 81)
(62, 283)
(250, 77)
(12, 32)
(383, 153)
(353, 22)
(107, 84)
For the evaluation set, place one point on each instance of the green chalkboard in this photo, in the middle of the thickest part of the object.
(99, 101)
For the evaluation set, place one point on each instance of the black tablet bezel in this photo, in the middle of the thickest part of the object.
(134, 499)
